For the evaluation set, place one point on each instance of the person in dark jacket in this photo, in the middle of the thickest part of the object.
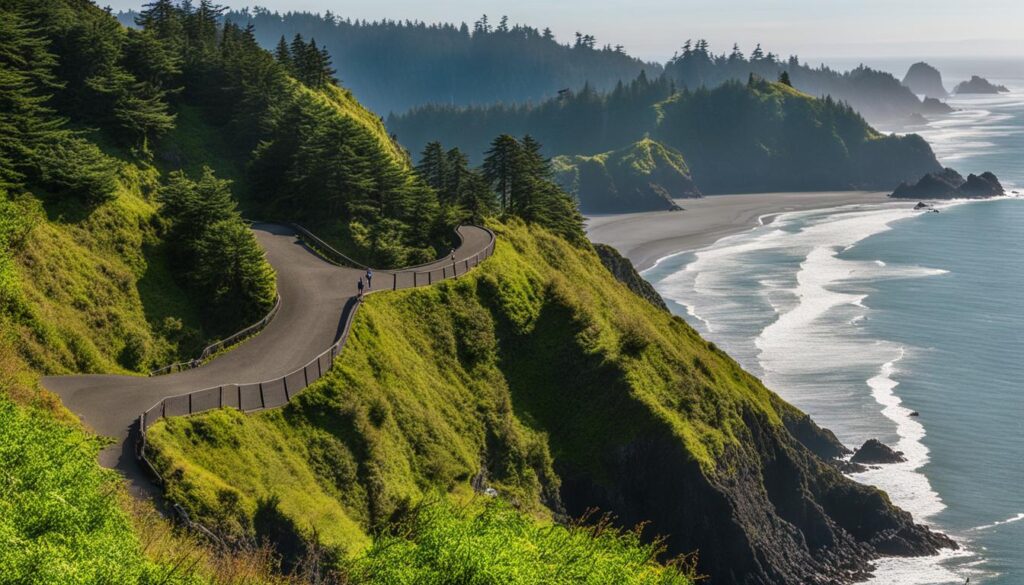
(360, 287)
(369, 278)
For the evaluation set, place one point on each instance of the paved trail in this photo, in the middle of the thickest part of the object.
(313, 294)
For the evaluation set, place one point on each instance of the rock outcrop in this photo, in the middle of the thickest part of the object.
(949, 184)
(644, 176)
(932, 105)
(979, 85)
(874, 451)
(923, 79)
(624, 271)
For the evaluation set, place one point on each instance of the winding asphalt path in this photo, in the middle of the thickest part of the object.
(313, 295)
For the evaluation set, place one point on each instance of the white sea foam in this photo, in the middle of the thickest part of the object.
(926, 570)
(1010, 520)
(908, 488)
(803, 345)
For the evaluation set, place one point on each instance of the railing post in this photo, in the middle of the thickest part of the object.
(305, 376)
(239, 388)
(163, 409)
(430, 277)
(263, 403)
(444, 272)
(190, 403)
(395, 285)
(220, 399)
(414, 279)
(284, 380)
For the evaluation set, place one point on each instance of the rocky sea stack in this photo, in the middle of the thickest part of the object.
(923, 79)
(949, 184)
(874, 451)
(979, 85)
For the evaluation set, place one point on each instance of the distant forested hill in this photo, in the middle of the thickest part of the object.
(876, 95)
(395, 65)
(754, 136)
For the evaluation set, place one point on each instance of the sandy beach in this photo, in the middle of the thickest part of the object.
(646, 237)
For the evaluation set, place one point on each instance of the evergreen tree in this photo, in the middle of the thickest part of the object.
(501, 165)
(433, 167)
(282, 54)
(784, 79)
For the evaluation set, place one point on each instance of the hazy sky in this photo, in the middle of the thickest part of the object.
(654, 29)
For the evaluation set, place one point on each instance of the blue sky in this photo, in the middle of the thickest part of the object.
(653, 29)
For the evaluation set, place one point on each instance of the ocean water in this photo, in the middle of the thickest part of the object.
(861, 315)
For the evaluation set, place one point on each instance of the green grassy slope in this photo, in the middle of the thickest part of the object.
(470, 376)
(541, 376)
(644, 176)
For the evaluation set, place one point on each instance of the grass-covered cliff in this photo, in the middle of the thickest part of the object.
(644, 176)
(541, 376)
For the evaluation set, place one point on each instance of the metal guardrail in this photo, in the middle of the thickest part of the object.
(325, 249)
(279, 391)
(218, 345)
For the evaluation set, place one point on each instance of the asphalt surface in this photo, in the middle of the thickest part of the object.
(313, 294)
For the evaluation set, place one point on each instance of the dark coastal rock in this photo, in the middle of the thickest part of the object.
(923, 79)
(949, 184)
(914, 413)
(932, 105)
(770, 511)
(921, 205)
(979, 85)
(981, 186)
(874, 451)
(623, 271)
(820, 441)
(849, 467)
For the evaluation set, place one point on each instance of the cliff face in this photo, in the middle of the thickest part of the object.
(623, 271)
(923, 79)
(541, 376)
(645, 176)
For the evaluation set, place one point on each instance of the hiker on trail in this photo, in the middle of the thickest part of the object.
(453, 255)
(369, 278)
(360, 286)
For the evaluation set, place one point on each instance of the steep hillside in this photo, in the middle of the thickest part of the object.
(645, 176)
(541, 376)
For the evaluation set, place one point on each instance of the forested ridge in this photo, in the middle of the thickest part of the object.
(393, 65)
(758, 135)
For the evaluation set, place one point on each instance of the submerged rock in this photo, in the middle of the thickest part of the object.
(874, 451)
(923, 79)
(979, 85)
